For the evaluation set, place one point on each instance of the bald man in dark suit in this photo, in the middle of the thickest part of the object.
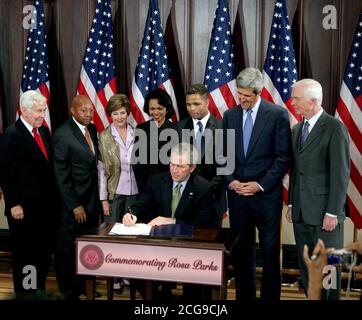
(75, 163)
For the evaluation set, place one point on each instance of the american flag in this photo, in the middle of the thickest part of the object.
(280, 70)
(349, 111)
(97, 76)
(220, 70)
(152, 69)
(35, 72)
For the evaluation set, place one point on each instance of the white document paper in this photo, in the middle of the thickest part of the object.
(136, 229)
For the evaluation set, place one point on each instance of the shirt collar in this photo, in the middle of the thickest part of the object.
(80, 126)
(204, 121)
(255, 108)
(183, 184)
(27, 125)
(312, 121)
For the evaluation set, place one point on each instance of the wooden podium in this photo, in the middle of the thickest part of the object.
(169, 253)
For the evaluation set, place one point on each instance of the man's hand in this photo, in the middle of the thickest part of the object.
(160, 221)
(17, 212)
(106, 208)
(129, 219)
(235, 185)
(329, 223)
(249, 188)
(79, 214)
(288, 215)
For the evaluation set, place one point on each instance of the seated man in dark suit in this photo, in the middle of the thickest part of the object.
(179, 196)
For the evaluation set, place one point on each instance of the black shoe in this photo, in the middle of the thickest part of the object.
(119, 291)
(118, 287)
(97, 294)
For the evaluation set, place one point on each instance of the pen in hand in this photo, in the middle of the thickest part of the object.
(130, 218)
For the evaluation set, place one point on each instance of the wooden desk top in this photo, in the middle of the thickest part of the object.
(202, 238)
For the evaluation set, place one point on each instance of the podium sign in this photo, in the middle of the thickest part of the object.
(163, 260)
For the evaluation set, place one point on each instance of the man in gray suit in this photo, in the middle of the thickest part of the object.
(320, 174)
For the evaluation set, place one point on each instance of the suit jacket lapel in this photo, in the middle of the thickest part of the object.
(190, 126)
(29, 139)
(167, 194)
(260, 121)
(45, 141)
(316, 131)
(296, 135)
(186, 198)
(238, 120)
(78, 134)
(207, 144)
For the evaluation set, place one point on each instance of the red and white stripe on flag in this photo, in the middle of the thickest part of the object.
(220, 70)
(35, 72)
(97, 76)
(280, 70)
(152, 70)
(349, 111)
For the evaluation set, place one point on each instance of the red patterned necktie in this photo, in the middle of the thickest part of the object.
(40, 142)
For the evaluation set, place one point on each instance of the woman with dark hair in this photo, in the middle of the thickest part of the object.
(158, 105)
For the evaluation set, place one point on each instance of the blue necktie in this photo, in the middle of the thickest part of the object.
(305, 133)
(198, 136)
(248, 129)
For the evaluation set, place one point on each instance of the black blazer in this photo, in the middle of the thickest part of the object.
(26, 176)
(194, 207)
(268, 156)
(204, 168)
(76, 168)
(143, 171)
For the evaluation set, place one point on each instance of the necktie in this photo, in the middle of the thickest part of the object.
(247, 130)
(88, 138)
(199, 136)
(176, 195)
(40, 142)
(305, 133)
